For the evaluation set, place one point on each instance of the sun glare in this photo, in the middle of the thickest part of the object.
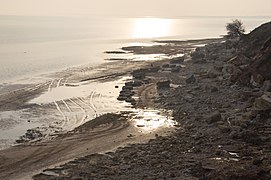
(151, 27)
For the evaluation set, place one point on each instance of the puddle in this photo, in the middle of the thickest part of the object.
(105, 89)
(143, 57)
(147, 120)
(200, 45)
(139, 57)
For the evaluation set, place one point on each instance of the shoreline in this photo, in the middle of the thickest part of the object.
(128, 65)
(221, 98)
(16, 96)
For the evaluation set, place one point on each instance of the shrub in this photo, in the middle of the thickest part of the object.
(235, 29)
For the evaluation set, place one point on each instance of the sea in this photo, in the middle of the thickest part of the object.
(32, 45)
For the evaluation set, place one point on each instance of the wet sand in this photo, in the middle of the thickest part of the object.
(61, 101)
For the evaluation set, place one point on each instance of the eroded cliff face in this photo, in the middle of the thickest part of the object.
(252, 59)
(253, 42)
(258, 72)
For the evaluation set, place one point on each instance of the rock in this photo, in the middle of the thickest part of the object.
(255, 40)
(130, 99)
(154, 69)
(251, 137)
(263, 102)
(165, 66)
(214, 117)
(259, 70)
(172, 65)
(266, 86)
(127, 88)
(210, 88)
(224, 128)
(138, 75)
(176, 69)
(139, 125)
(235, 73)
(130, 83)
(198, 56)
(137, 83)
(239, 60)
(163, 84)
(212, 73)
(191, 80)
(214, 89)
(121, 98)
(176, 60)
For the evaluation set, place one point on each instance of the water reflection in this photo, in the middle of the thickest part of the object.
(152, 27)
(148, 120)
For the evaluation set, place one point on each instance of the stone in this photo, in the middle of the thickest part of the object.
(165, 66)
(212, 73)
(266, 86)
(163, 84)
(138, 75)
(214, 117)
(224, 128)
(263, 102)
(137, 83)
(127, 88)
(235, 73)
(191, 80)
(176, 60)
(210, 88)
(176, 69)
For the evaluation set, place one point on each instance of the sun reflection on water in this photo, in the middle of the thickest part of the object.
(152, 27)
(148, 120)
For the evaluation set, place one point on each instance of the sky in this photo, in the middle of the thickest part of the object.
(136, 8)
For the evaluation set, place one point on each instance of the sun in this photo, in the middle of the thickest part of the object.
(151, 27)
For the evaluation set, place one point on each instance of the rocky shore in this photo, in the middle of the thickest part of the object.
(220, 95)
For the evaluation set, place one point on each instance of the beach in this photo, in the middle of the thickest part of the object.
(223, 126)
(126, 128)
(129, 115)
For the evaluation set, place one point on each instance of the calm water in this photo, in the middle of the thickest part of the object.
(35, 45)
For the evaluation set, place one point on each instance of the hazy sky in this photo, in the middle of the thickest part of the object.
(161, 8)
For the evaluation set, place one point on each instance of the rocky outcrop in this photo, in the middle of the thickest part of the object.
(251, 43)
(260, 69)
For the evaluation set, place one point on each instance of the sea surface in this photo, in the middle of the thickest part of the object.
(35, 45)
